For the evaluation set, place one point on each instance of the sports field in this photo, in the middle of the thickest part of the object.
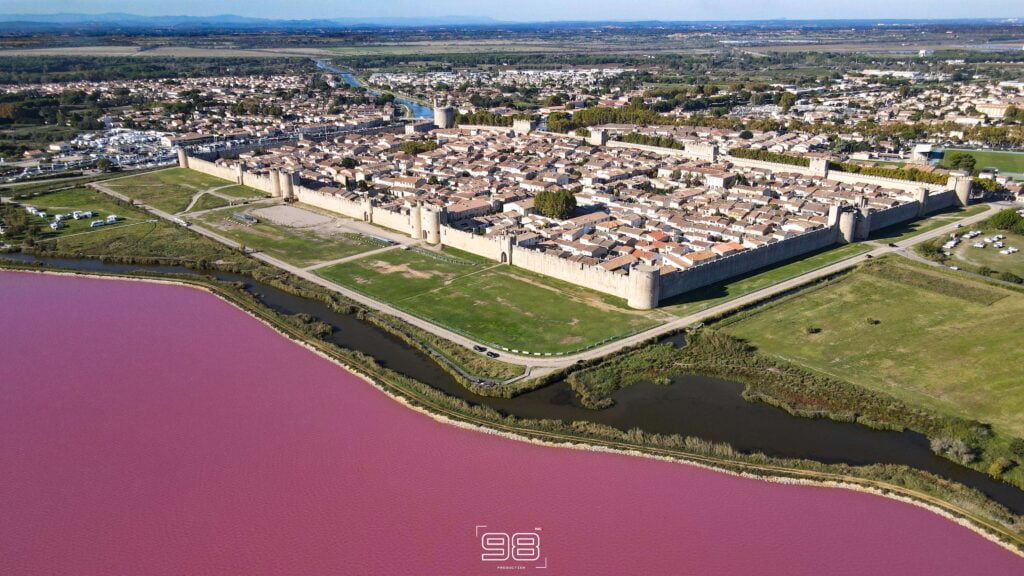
(1008, 162)
(922, 334)
(489, 302)
(171, 190)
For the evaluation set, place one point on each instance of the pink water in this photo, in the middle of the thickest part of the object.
(150, 429)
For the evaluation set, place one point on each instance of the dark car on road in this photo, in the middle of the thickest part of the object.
(479, 348)
(492, 354)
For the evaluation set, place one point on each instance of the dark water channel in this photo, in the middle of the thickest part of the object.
(707, 408)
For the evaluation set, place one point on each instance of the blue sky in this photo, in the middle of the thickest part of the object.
(540, 10)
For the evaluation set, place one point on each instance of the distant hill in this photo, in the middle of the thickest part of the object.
(232, 21)
(228, 20)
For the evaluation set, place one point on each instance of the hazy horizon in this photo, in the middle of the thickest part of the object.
(536, 10)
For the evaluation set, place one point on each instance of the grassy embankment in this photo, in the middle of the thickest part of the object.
(500, 305)
(171, 190)
(933, 345)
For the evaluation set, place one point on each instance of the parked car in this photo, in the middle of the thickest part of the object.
(479, 348)
(492, 354)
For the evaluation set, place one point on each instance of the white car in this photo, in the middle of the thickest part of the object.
(979, 244)
(954, 268)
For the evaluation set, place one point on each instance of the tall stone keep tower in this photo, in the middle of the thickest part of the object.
(444, 116)
(182, 158)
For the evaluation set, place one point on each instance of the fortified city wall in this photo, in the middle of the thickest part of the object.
(747, 261)
(642, 288)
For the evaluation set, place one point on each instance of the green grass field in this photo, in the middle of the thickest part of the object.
(912, 228)
(67, 201)
(239, 191)
(168, 190)
(990, 257)
(922, 334)
(1012, 162)
(208, 202)
(296, 246)
(712, 295)
(490, 302)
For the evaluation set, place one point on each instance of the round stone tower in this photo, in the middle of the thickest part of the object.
(847, 226)
(432, 223)
(415, 215)
(444, 116)
(275, 182)
(644, 287)
(182, 158)
(961, 182)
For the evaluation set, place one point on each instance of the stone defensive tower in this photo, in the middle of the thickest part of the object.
(921, 196)
(644, 287)
(522, 126)
(275, 183)
(819, 166)
(847, 226)
(416, 216)
(182, 158)
(597, 138)
(960, 182)
(444, 116)
(708, 152)
(288, 186)
(240, 174)
(432, 225)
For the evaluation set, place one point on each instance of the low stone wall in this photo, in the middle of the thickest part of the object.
(724, 268)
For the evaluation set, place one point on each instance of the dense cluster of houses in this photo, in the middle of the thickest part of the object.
(633, 205)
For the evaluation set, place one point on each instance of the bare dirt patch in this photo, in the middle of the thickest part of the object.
(292, 217)
(403, 269)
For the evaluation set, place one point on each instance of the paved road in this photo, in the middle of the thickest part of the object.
(544, 364)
